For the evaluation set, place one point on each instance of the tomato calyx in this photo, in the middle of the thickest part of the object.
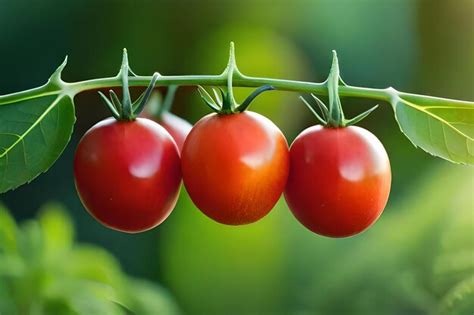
(225, 103)
(333, 116)
(126, 110)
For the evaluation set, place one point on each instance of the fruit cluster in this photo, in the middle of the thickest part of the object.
(235, 165)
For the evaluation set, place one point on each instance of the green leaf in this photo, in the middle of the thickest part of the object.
(11, 265)
(35, 127)
(454, 266)
(7, 231)
(460, 299)
(81, 297)
(57, 228)
(30, 242)
(149, 299)
(441, 127)
(105, 269)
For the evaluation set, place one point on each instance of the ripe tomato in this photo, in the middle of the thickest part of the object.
(177, 127)
(235, 166)
(128, 174)
(339, 180)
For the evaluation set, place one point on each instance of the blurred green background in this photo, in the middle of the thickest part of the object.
(418, 258)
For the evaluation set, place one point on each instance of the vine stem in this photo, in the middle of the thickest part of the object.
(239, 80)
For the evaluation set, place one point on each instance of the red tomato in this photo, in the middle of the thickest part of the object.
(128, 174)
(177, 127)
(339, 180)
(235, 166)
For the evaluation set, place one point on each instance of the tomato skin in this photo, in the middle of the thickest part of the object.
(235, 166)
(339, 180)
(177, 127)
(128, 174)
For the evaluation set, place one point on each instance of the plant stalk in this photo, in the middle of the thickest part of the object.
(241, 80)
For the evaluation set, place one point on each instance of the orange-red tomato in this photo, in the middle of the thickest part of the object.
(128, 174)
(339, 180)
(235, 166)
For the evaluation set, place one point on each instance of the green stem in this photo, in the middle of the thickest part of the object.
(239, 80)
(229, 104)
(167, 100)
(127, 111)
(335, 113)
(220, 80)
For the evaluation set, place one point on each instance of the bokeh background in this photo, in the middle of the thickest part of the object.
(417, 259)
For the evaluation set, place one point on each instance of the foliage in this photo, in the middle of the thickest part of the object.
(442, 128)
(34, 131)
(43, 271)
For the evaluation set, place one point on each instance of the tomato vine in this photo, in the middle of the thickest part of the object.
(441, 127)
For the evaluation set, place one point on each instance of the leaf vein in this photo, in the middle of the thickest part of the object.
(40, 118)
(24, 154)
(43, 135)
(436, 117)
(446, 143)
(5, 168)
(9, 134)
(448, 107)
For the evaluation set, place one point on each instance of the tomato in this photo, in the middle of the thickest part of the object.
(339, 180)
(127, 173)
(235, 166)
(177, 127)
